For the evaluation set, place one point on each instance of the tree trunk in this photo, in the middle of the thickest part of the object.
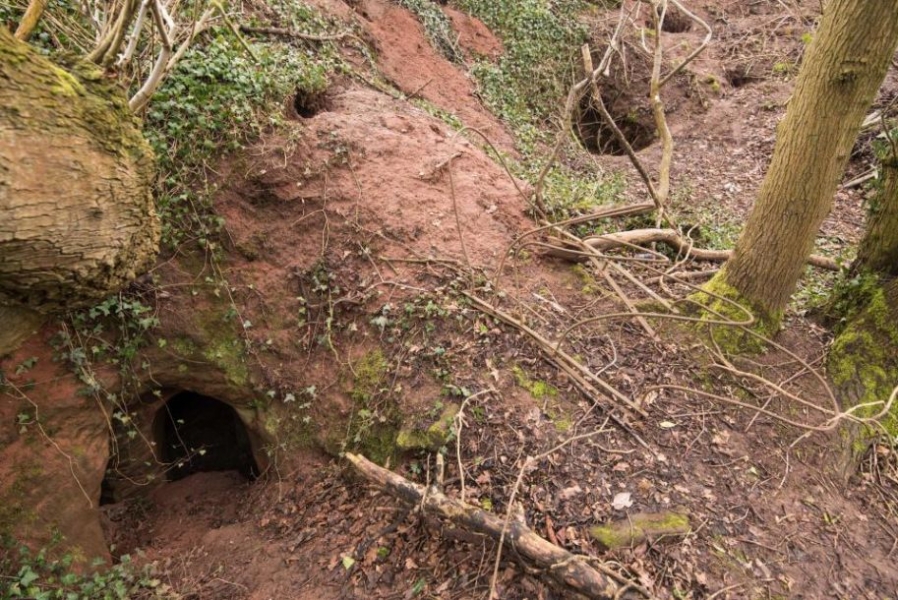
(841, 73)
(878, 251)
(75, 190)
(863, 360)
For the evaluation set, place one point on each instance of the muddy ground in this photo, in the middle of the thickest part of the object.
(768, 519)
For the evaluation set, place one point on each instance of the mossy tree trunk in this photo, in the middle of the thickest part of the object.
(863, 360)
(841, 73)
(78, 219)
(878, 251)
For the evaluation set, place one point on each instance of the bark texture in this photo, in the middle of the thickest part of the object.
(841, 73)
(75, 186)
(863, 360)
(878, 251)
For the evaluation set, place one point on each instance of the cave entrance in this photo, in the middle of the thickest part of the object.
(197, 433)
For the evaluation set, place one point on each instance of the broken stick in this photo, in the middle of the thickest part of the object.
(570, 570)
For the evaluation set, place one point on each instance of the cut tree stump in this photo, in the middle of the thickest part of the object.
(570, 570)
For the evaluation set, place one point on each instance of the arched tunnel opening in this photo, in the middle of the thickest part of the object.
(196, 433)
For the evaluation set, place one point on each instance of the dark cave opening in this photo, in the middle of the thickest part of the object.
(197, 433)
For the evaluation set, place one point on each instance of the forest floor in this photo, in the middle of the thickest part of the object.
(769, 519)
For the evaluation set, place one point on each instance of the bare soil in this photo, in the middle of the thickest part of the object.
(396, 205)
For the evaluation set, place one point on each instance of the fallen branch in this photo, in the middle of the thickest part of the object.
(641, 527)
(292, 33)
(570, 570)
(670, 237)
(582, 377)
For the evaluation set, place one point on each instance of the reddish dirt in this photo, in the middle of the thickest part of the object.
(368, 180)
(473, 36)
(406, 58)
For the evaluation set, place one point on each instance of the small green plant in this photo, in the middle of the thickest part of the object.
(40, 576)
(784, 68)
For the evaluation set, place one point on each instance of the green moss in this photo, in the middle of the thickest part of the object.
(638, 527)
(587, 281)
(863, 360)
(217, 341)
(379, 443)
(430, 438)
(538, 389)
(66, 85)
(721, 301)
(227, 354)
(851, 294)
(184, 347)
(370, 374)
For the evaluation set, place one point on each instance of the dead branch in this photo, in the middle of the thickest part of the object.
(697, 51)
(292, 33)
(582, 377)
(667, 144)
(569, 570)
(573, 97)
(30, 19)
(670, 237)
(618, 134)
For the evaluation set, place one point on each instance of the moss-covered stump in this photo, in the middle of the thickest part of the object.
(863, 366)
(639, 528)
(75, 188)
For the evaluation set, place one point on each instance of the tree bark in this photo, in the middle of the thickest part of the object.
(878, 251)
(842, 71)
(75, 189)
(863, 359)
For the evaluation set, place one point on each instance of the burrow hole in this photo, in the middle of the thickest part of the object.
(740, 77)
(197, 433)
(634, 122)
(309, 104)
(675, 21)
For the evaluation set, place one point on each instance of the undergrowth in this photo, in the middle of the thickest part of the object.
(526, 88)
(527, 84)
(40, 576)
(436, 26)
(218, 98)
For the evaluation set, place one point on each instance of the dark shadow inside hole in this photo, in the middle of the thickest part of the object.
(739, 77)
(307, 105)
(599, 138)
(676, 22)
(197, 433)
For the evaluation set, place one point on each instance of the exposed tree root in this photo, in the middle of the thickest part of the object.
(570, 570)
